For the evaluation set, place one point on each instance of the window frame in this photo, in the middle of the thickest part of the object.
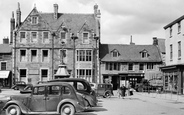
(170, 32)
(44, 78)
(63, 32)
(34, 20)
(171, 52)
(4, 68)
(82, 55)
(45, 40)
(25, 57)
(36, 60)
(179, 49)
(22, 40)
(130, 65)
(85, 40)
(43, 59)
(179, 27)
(141, 66)
(34, 40)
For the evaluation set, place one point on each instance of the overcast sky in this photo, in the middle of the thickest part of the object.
(143, 19)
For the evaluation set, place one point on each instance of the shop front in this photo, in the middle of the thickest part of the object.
(173, 78)
(5, 78)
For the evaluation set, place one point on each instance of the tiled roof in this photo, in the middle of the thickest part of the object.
(161, 45)
(129, 53)
(72, 21)
(5, 48)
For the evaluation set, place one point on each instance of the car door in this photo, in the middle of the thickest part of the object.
(53, 97)
(37, 99)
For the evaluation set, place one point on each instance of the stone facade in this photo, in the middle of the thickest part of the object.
(43, 40)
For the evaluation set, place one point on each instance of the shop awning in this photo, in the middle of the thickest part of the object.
(4, 74)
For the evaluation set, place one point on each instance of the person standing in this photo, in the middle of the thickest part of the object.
(123, 90)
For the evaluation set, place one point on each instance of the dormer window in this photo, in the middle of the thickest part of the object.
(144, 54)
(85, 38)
(115, 53)
(34, 20)
(63, 35)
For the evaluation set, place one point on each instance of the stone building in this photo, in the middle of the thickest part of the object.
(130, 63)
(173, 71)
(5, 63)
(43, 41)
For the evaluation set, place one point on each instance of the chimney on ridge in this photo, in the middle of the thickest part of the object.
(55, 11)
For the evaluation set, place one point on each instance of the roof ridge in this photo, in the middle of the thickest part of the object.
(67, 13)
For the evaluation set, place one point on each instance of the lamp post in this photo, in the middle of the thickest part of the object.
(96, 57)
(74, 38)
(53, 37)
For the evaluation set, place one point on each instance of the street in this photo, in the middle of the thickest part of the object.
(138, 104)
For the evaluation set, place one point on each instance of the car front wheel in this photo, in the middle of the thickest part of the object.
(13, 110)
(67, 109)
(107, 95)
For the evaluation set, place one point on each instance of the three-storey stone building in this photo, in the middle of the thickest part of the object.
(45, 40)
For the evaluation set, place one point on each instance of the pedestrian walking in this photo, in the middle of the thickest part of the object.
(123, 90)
(119, 92)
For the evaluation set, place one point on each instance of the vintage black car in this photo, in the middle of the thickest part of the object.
(104, 89)
(47, 98)
(82, 86)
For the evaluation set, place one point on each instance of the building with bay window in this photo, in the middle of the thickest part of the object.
(43, 41)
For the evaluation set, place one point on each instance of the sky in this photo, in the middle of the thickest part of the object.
(120, 19)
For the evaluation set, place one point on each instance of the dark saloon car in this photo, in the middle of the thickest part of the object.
(48, 98)
(82, 86)
(104, 89)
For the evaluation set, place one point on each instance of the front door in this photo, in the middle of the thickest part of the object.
(53, 98)
(37, 100)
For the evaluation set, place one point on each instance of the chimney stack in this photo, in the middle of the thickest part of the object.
(5, 40)
(131, 43)
(18, 21)
(12, 27)
(155, 41)
(55, 11)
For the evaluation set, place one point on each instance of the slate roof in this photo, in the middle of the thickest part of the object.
(129, 53)
(5, 48)
(73, 21)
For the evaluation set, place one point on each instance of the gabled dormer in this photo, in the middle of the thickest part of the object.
(115, 53)
(144, 53)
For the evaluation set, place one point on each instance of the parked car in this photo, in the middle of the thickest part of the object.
(82, 86)
(18, 86)
(105, 90)
(48, 98)
(27, 89)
